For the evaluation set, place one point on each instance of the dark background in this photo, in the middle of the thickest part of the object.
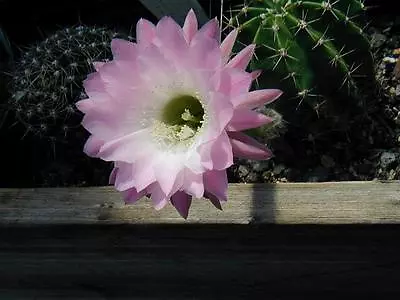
(23, 21)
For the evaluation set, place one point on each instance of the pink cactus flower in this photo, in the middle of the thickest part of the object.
(169, 109)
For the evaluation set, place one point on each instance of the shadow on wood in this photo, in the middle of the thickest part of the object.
(199, 262)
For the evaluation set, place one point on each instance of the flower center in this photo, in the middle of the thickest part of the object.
(180, 120)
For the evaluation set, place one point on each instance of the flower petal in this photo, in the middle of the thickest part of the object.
(94, 85)
(154, 68)
(85, 105)
(190, 26)
(193, 161)
(132, 195)
(193, 184)
(170, 177)
(144, 173)
(221, 152)
(98, 64)
(172, 40)
(214, 200)
(158, 197)
(124, 179)
(216, 183)
(245, 119)
(112, 117)
(217, 154)
(98, 122)
(120, 75)
(233, 82)
(227, 44)
(244, 146)
(139, 175)
(92, 146)
(123, 50)
(256, 98)
(113, 175)
(128, 148)
(116, 80)
(210, 29)
(205, 53)
(242, 59)
(145, 32)
(255, 74)
(181, 201)
(220, 114)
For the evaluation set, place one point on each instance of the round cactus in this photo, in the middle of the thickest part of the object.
(47, 80)
(313, 50)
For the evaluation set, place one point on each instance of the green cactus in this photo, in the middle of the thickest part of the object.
(47, 80)
(313, 50)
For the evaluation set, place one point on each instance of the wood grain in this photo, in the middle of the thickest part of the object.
(359, 202)
(191, 261)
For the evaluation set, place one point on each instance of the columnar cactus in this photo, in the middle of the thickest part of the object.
(307, 48)
(47, 80)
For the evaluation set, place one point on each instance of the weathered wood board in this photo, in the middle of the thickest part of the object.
(282, 241)
(358, 202)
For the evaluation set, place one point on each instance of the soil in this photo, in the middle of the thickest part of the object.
(369, 149)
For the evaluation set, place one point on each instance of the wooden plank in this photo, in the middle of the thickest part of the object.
(200, 262)
(359, 202)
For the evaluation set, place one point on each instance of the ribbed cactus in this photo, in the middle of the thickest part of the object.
(47, 80)
(308, 49)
